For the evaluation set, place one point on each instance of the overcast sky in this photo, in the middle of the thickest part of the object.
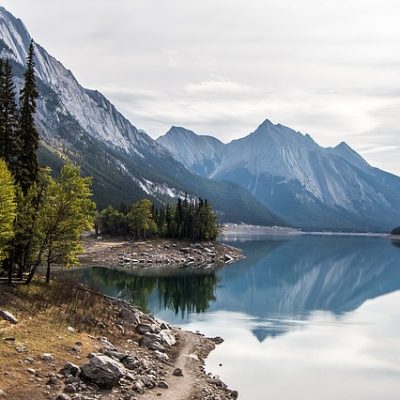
(221, 67)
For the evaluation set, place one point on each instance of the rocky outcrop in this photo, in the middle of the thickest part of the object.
(104, 371)
(158, 252)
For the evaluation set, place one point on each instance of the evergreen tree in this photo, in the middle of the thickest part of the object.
(29, 137)
(113, 221)
(9, 140)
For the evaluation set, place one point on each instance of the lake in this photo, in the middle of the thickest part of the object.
(303, 317)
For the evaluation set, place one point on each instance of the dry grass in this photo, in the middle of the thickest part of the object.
(44, 313)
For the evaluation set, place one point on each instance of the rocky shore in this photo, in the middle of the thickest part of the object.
(161, 252)
(113, 351)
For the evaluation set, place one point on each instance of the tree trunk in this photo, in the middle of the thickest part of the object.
(31, 275)
(48, 272)
(48, 265)
(21, 264)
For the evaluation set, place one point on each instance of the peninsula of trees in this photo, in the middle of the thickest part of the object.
(191, 219)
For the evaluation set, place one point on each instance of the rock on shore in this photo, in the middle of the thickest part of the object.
(158, 252)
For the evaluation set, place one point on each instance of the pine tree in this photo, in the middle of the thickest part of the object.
(2, 131)
(29, 137)
(9, 140)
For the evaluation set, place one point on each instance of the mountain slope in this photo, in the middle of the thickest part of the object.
(126, 164)
(201, 154)
(308, 185)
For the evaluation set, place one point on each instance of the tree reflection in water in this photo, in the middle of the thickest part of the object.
(182, 292)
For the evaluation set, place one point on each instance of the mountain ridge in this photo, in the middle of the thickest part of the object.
(310, 186)
(126, 164)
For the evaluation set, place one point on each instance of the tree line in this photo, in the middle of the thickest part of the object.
(191, 219)
(41, 217)
(396, 231)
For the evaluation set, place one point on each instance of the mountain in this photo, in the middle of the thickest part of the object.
(126, 164)
(307, 185)
(199, 153)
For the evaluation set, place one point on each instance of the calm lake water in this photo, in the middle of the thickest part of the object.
(308, 317)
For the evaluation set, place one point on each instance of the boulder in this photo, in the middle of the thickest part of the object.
(144, 328)
(167, 337)
(8, 316)
(117, 355)
(70, 369)
(131, 362)
(103, 371)
(152, 342)
(161, 356)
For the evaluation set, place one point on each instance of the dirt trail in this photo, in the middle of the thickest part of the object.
(182, 387)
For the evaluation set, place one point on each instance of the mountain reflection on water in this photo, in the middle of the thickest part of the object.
(277, 286)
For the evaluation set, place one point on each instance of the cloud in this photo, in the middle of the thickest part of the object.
(218, 85)
(216, 66)
(379, 149)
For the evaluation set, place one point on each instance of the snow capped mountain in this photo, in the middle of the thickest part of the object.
(82, 125)
(199, 153)
(308, 185)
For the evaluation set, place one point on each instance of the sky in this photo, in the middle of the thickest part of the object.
(221, 67)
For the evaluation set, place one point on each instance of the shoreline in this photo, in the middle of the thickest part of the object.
(394, 237)
(230, 231)
(154, 358)
(156, 253)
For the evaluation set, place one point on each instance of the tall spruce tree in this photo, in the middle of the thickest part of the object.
(9, 139)
(28, 134)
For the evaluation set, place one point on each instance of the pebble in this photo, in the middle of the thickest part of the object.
(178, 372)
(163, 385)
(69, 388)
(48, 357)
(63, 396)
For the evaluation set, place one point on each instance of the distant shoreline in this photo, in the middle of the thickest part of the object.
(229, 230)
(394, 237)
